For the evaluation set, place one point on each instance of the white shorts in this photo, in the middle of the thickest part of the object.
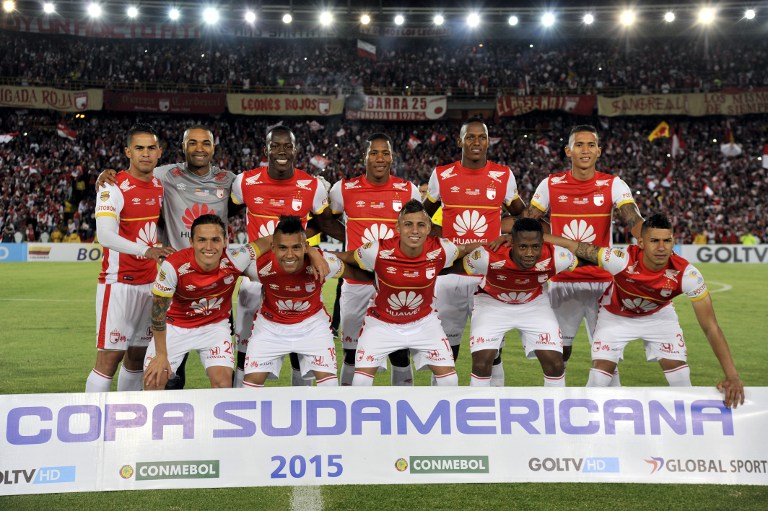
(123, 316)
(353, 305)
(213, 343)
(535, 320)
(311, 339)
(424, 337)
(574, 301)
(454, 298)
(248, 303)
(660, 332)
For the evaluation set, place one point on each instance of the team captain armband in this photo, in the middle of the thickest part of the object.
(613, 260)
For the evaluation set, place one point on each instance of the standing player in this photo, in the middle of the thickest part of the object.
(511, 296)
(580, 202)
(269, 194)
(292, 318)
(638, 304)
(370, 204)
(402, 317)
(473, 193)
(126, 225)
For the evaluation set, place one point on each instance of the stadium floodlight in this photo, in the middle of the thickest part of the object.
(326, 18)
(132, 11)
(94, 10)
(365, 19)
(399, 19)
(706, 15)
(438, 19)
(627, 18)
(548, 19)
(174, 14)
(250, 17)
(513, 20)
(473, 20)
(211, 15)
(287, 18)
(49, 8)
(9, 5)
(749, 14)
(588, 18)
(669, 16)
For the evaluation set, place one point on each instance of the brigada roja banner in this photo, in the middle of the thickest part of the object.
(50, 98)
(520, 105)
(400, 108)
(168, 102)
(54, 443)
(284, 104)
(695, 105)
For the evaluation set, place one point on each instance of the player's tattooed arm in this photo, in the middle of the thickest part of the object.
(160, 306)
(587, 253)
(533, 212)
(631, 217)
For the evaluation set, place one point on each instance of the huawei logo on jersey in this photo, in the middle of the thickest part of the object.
(407, 299)
(515, 297)
(470, 222)
(377, 232)
(206, 307)
(434, 254)
(638, 304)
(291, 306)
(447, 173)
(254, 179)
(266, 271)
(148, 234)
(495, 175)
(267, 229)
(195, 211)
(579, 230)
(185, 268)
(542, 265)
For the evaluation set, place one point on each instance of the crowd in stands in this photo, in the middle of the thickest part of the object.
(495, 67)
(47, 182)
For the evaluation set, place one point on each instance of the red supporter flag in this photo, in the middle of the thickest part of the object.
(7, 137)
(413, 142)
(543, 144)
(494, 140)
(319, 161)
(65, 131)
(708, 190)
(436, 137)
(678, 145)
(765, 156)
(366, 50)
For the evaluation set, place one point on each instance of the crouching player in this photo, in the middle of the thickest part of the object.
(638, 304)
(292, 317)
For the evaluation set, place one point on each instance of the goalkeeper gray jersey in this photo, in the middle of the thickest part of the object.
(187, 196)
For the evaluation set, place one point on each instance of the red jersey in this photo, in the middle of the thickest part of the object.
(201, 297)
(405, 285)
(371, 210)
(267, 199)
(135, 204)
(504, 280)
(291, 298)
(581, 210)
(472, 200)
(639, 291)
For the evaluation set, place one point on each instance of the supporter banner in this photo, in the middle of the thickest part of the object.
(519, 105)
(13, 252)
(289, 436)
(400, 108)
(48, 97)
(284, 104)
(384, 31)
(63, 252)
(696, 105)
(170, 102)
(725, 253)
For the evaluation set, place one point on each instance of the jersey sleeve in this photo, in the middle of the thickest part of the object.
(693, 283)
(451, 252)
(540, 199)
(476, 262)
(433, 188)
(336, 264)
(613, 260)
(621, 193)
(237, 190)
(366, 254)
(320, 200)
(565, 260)
(108, 209)
(336, 198)
(166, 281)
(242, 256)
(511, 193)
(161, 173)
(415, 194)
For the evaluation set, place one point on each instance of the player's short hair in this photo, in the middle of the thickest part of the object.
(290, 224)
(656, 221)
(526, 225)
(280, 129)
(582, 128)
(196, 127)
(376, 136)
(208, 219)
(413, 206)
(471, 120)
(141, 127)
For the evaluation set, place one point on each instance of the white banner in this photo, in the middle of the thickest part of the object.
(724, 253)
(55, 443)
(64, 252)
(400, 108)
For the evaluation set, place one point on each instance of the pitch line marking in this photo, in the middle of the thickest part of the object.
(306, 498)
(723, 287)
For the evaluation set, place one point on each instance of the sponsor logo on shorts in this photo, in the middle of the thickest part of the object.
(444, 464)
(584, 465)
(156, 470)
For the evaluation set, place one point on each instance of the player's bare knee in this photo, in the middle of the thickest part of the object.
(441, 370)
(667, 364)
(567, 352)
(482, 362)
(609, 366)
